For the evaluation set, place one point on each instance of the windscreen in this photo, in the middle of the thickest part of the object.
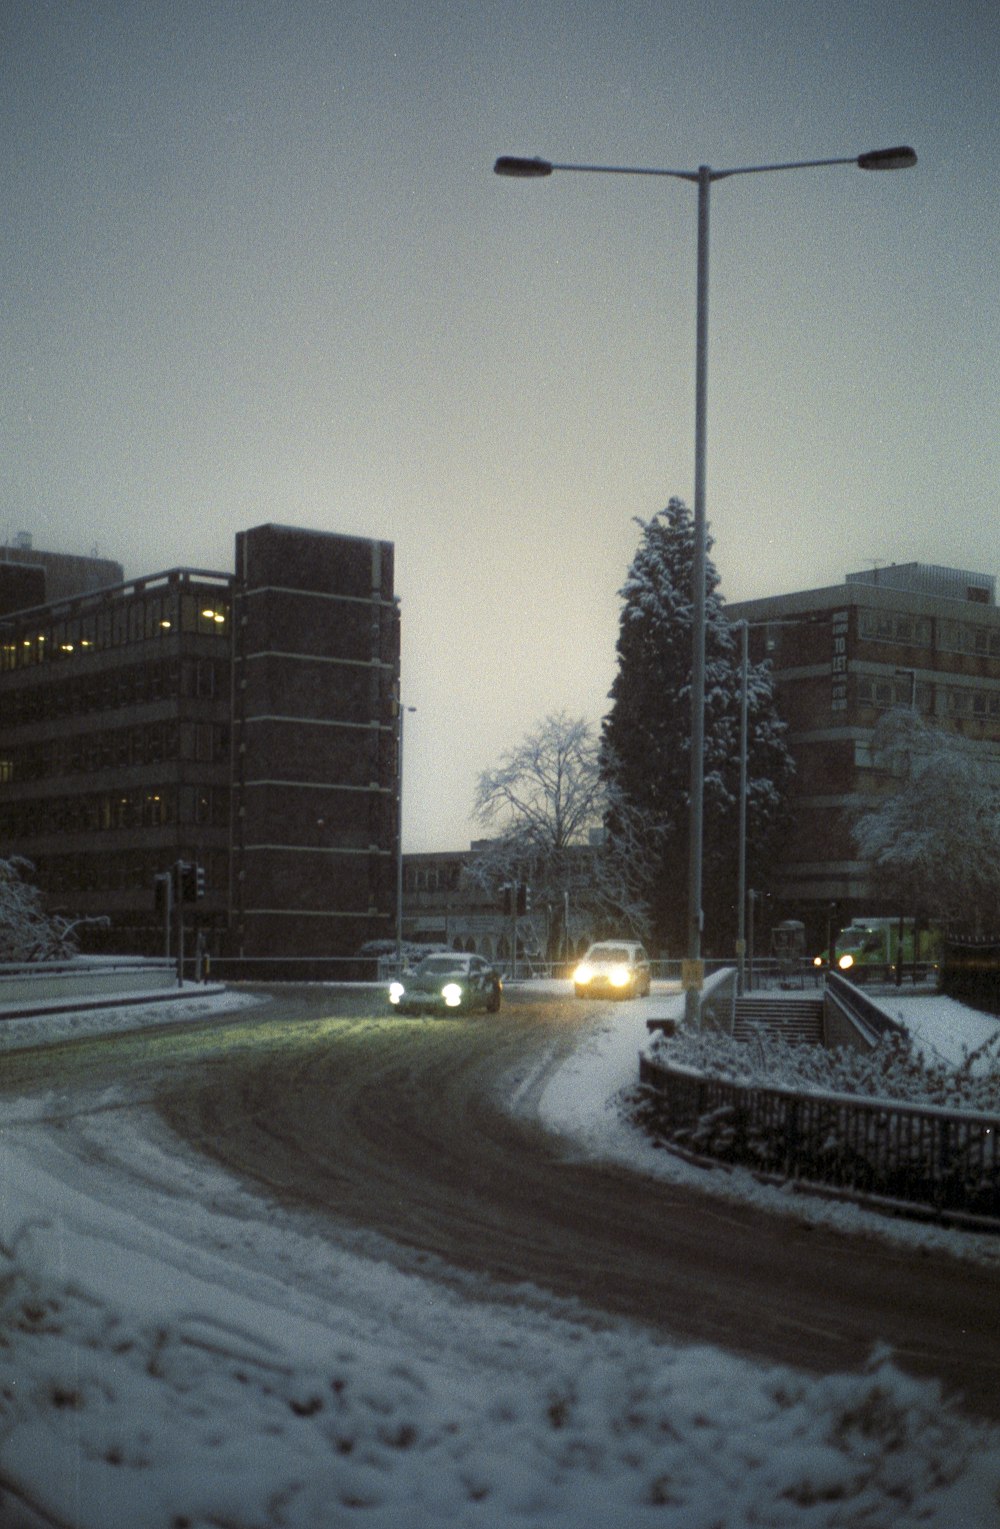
(615, 953)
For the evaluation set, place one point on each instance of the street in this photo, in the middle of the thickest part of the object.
(402, 1128)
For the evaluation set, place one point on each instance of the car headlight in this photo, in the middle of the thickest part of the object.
(452, 994)
(583, 973)
(396, 991)
(618, 976)
(845, 962)
(817, 960)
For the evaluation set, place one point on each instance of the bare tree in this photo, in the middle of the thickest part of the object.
(546, 793)
(544, 801)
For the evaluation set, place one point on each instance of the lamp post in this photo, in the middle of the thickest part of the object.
(399, 838)
(900, 158)
(741, 891)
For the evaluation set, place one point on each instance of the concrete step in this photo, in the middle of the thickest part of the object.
(799, 1020)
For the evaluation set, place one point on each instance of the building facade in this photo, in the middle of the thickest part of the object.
(905, 635)
(315, 733)
(245, 721)
(446, 902)
(29, 577)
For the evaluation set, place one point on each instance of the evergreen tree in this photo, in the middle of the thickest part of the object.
(646, 735)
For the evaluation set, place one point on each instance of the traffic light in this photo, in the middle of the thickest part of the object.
(162, 893)
(523, 898)
(505, 893)
(191, 879)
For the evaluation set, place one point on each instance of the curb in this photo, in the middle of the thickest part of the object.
(119, 1001)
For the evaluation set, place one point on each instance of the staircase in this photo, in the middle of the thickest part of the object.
(799, 1020)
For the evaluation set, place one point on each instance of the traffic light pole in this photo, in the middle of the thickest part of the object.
(179, 916)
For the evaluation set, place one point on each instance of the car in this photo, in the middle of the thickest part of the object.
(448, 983)
(613, 969)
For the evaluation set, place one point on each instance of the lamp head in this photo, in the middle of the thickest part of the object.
(902, 158)
(524, 169)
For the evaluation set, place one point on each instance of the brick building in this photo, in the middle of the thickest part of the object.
(909, 634)
(242, 720)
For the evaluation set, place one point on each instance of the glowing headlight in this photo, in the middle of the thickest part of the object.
(396, 991)
(618, 976)
(452, 994)
(845, 963)
(583, 973)
(817, 960)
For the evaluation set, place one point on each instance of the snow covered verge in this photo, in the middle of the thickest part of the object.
(173, 1354)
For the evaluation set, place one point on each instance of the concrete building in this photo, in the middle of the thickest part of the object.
(444, 903)
(908, 634)
(245, 721)
(29, 577)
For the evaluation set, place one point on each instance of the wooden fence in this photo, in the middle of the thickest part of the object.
(944, 1160)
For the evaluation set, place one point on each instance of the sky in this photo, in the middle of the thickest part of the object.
(255, 266)
(184, 1348)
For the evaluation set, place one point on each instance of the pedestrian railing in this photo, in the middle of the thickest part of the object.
(944, 1161)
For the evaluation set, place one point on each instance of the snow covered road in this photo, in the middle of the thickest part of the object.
(180, 1349)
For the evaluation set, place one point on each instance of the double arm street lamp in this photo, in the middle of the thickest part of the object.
(877, 159)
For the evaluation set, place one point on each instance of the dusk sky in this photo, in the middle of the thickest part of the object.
(256, 267)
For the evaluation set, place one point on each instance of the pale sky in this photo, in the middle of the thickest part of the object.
(256, 267)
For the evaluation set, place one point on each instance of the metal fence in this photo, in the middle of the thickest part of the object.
(946, 1160)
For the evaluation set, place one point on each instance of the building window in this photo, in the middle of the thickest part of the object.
(873, 691)
(975, 639)
(895, 626)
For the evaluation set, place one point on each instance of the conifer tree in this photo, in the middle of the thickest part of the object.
(646, 735)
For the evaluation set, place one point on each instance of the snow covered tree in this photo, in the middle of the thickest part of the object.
(932, 834)
(646, 739)
(27, 933)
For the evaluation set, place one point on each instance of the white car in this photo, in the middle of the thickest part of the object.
(613, 969)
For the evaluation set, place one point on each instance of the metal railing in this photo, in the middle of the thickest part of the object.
(945, 1161)
(872, 1020)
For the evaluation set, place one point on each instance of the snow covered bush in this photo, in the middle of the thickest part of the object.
(27, 932)
(896, 1068)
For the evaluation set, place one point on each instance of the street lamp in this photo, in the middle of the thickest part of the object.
(741, 890)
(900, 158)
(399, 837)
